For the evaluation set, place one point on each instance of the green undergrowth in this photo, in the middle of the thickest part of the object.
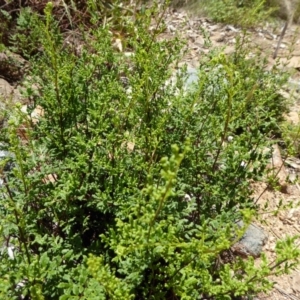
(128, 187)
(290, 139)
(243, 13)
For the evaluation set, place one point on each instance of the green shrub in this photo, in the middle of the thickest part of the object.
(290, 137)
(27, 24)
(244, 13)
(6, 20)
(147, 179)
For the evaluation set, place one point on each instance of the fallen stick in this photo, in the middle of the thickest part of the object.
(280, 39)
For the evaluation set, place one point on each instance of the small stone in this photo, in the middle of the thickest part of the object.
(220, 39)
(214, 27)
(231, 28)
(292, 178)
(294, 214)
(171, 28)
(199, 41)
(293, 162)
(252, 241)
(292, 117)
(272, 239)
(12, 66)
(8, 93)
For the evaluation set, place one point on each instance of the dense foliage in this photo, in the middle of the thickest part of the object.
(129, 187)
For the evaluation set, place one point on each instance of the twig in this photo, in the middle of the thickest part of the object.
(296, 228)
(293, 297)
(280, 39)
(274, 233)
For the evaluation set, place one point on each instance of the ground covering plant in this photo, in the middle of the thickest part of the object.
(129, 187)
(290, 139)
(243, 13)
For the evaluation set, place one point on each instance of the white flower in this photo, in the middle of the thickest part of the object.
(21, 284)
(187, 197)
(10, 252)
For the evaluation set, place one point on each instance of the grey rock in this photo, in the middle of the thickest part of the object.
(252, 241)
(5, 154)
(294, 85)
(9, 165)
(192, 77)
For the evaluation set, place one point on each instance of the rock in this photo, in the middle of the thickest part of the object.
(290, 63)
(293, 162)
(285, 95)
(192, 77)
(8, 93)
(12, 66)
(214, 27)
(231, 28)
(9, 164)
(292, 117)
(251, 243)
(5, 88)
(293, 85)
(5, 155)
(35, 115)
(220, 38)
(292, 189)
(294, 215)
(8, 96)
(199, 41)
